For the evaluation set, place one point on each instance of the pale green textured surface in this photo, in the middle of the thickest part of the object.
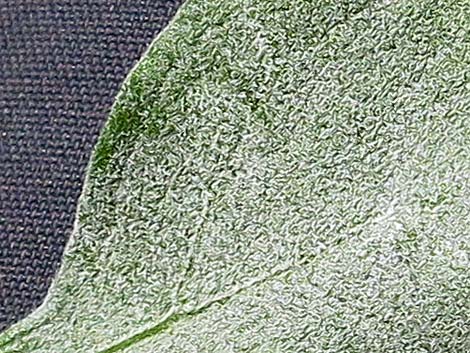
(278, 176)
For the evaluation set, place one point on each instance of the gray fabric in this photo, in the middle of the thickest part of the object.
(61, 65)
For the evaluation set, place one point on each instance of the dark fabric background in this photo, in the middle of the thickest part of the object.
(61, 65)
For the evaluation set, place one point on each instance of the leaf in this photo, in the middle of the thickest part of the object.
(277, 176)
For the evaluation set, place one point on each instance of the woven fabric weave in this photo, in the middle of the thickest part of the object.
(61, 65)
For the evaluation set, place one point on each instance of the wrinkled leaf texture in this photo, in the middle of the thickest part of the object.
(277, 176)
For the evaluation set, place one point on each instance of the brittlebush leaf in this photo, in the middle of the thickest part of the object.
(277, 176)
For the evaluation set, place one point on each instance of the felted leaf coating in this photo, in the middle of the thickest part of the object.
(278, 176)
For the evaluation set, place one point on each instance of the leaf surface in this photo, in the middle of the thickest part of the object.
(277, 176)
